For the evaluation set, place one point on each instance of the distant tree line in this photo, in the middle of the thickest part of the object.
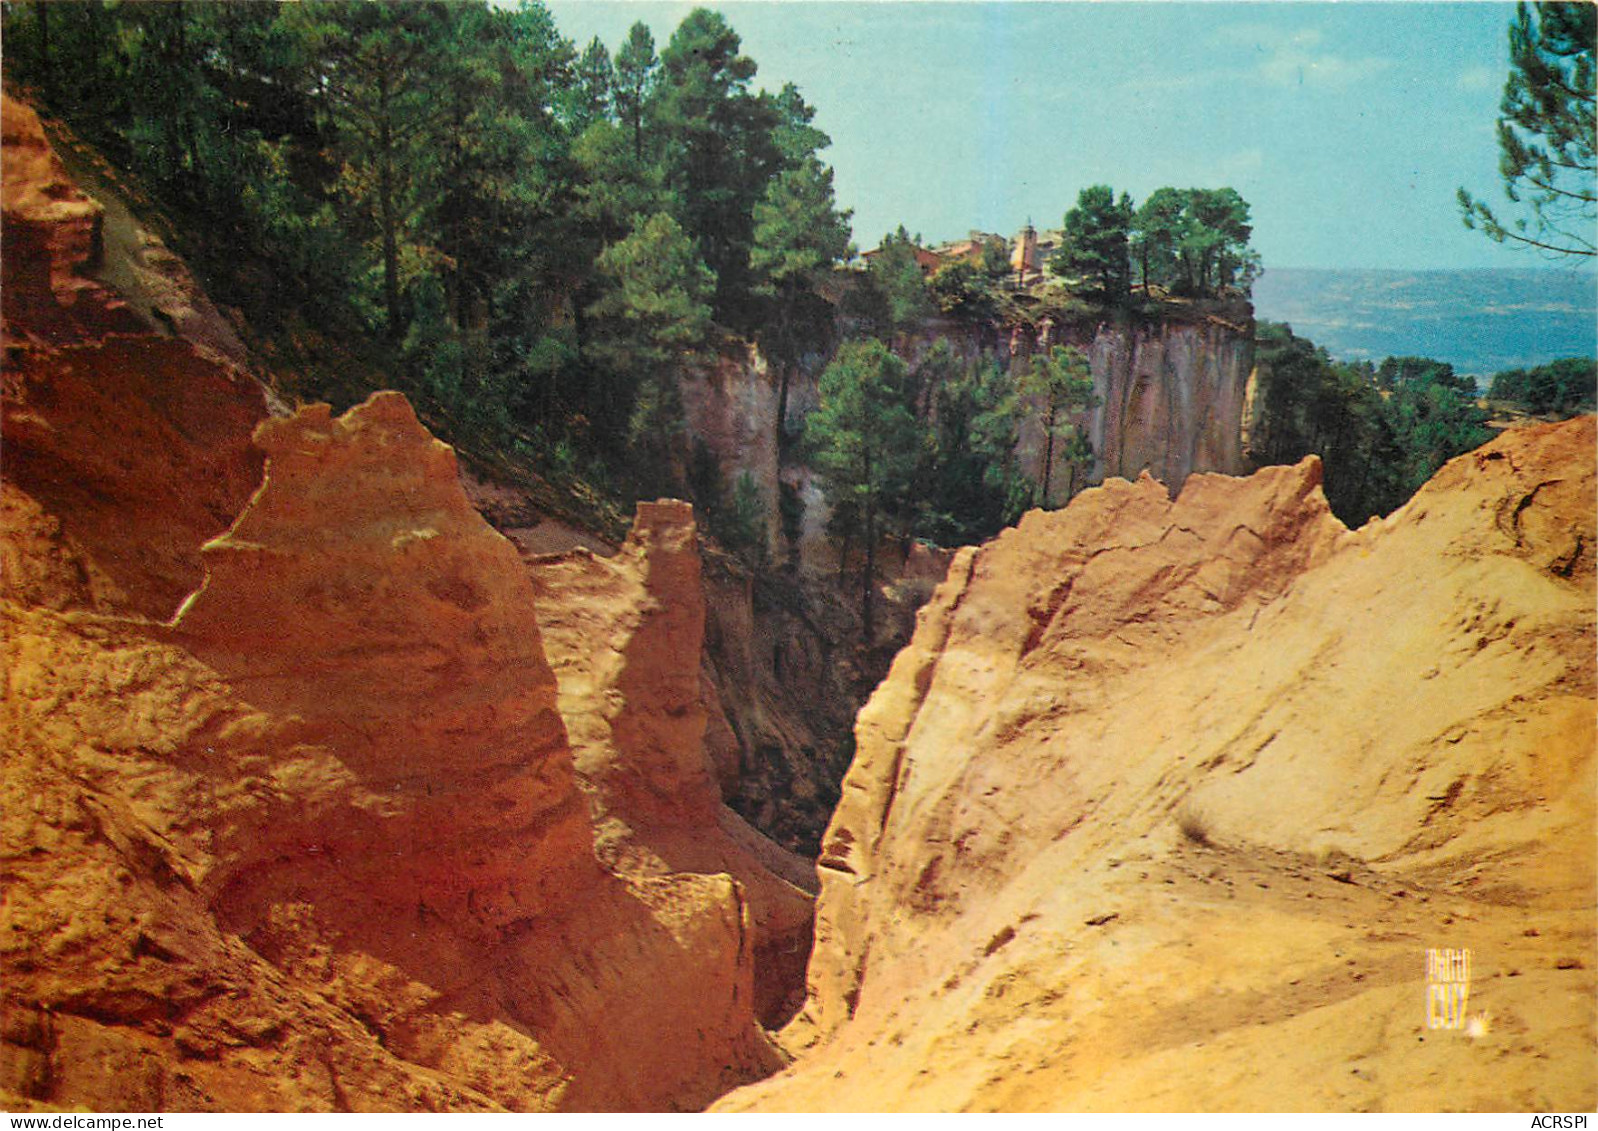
(1560, 388)
(1381, 431)
(1192, 243)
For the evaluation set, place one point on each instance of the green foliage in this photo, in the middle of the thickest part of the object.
(995, 259)
(591, 96)
(970, 485)
(656, 303)
(721, 151)
(745, 528)
(1194, 242)
(1378, 447)
(1158, 229)
(378, 65)
(1060, 385)
(1396, 371)
(1434, 421)
(863, 441)
(799, 237)
(964, 292)
(654, 318)
(796, 137)
(1561, 388)
(614, 187)
(1546, 133)
(893, 295)
(1094, 249)
(635, 69)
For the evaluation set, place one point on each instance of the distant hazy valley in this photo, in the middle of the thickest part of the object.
(1481, 321)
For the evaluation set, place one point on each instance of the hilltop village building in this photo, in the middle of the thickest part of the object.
(1028, 253)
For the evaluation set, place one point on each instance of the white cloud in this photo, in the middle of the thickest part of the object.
(1295, 67)
(1296, 58)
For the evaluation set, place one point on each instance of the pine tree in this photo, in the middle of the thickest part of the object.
(718, 150)
(377, 71)
(1158, 228)
(896, 274)
(653, 319)
(591, 92)
(970, 486)
(799, 237)
(1094, 248)
(863, 440)
(636, 66)
(1546, 133)
(1060, 385)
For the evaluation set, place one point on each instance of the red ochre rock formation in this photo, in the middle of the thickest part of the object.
(318, 843)
(625, 635)
(1165, 803)
(52, 231)
(136, 445)
(317, 840)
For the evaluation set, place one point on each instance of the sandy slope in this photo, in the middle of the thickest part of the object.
(1377, 742)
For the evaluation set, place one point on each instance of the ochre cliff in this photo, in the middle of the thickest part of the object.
(1165, 803)
(625, 635)
(320, 843)
(136, 445)
(317, 837)
(1170, 387)
(1171, 399)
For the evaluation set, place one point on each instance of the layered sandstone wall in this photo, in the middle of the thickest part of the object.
(1171, 391)
(1165, 803)
(137, 445)
(322, 840)
(625, 635)
(1171, 399)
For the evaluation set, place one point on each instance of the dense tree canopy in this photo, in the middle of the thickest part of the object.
(1560, 388)
(1546, 133)
(463, 184)
(1094, 249)
(1194, 242)
(1190, 242)
(864, 439)
(1381, 432)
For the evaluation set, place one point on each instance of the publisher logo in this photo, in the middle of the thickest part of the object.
(1447, 987)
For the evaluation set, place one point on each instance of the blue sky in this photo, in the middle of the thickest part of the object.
(1346, 126)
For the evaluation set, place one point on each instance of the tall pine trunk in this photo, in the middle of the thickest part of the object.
(868, 577)
(46, 74)
(1048, 454)
(784, 351)
(387, 219)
